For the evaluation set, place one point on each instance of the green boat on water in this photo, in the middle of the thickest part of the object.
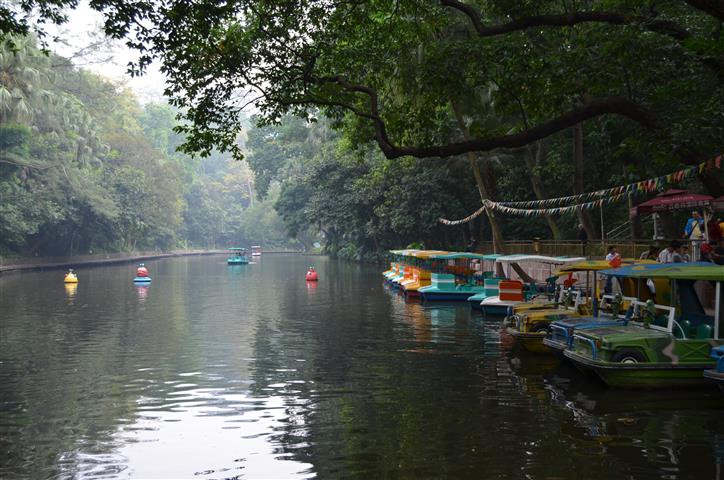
(671, 345)
(239, 256)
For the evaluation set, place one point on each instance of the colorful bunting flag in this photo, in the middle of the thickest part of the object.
(587, 201)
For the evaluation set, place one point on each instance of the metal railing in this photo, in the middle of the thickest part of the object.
(575, 248)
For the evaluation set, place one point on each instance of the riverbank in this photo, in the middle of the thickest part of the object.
(52, 263)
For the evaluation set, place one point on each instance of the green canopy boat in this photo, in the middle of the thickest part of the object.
(662, 350)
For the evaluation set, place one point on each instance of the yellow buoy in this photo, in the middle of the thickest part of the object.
(70, 277)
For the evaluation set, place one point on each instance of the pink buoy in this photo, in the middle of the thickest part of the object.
(311, 275)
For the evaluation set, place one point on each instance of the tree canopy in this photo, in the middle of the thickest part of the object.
(84, 167)
(529, 95)
(394, 67)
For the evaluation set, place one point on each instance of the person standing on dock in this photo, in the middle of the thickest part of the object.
(472, 245)
(694, 230)
(667, 254)
(583, 238)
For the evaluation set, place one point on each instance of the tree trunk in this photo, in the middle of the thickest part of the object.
(533, 159)
(251, 193)
(486, 184)
(584, 217)
(637, 231)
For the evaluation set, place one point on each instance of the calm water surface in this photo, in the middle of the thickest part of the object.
(248, 372)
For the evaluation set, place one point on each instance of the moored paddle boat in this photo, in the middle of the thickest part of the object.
(649, 353)
(529, 326)
(608, 311)
(490, 289)
(560, 333)
(515, 292)
(529, 323)
(453, 278)
(420, 271)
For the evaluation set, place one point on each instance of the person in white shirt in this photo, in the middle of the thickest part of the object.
(612, 253)
(667, 255)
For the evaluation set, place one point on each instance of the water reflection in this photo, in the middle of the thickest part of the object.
(199, 432)
(142, 291)
(71, 289)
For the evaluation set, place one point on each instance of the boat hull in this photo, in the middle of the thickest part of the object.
(141, 279)
(716, 377)
(495, 310)
(442, 296)
(237, 262)
(643, 375)
(475, 300)
(555, 346)
(532, 342)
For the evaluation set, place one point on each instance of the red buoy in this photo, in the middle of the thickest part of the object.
(141, 271)
(311, 275)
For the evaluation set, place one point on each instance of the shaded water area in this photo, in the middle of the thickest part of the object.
(249, 372)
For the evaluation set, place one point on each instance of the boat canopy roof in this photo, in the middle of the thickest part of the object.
(538, 259)
(649, 270)
(427, 253)
(237, 249)
(455, 255)
(598, 265)
(691, 271)
(411, 252)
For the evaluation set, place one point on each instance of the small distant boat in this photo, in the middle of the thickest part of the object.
(142, 274)
(255, 251)
(238, 256)
(70, 277)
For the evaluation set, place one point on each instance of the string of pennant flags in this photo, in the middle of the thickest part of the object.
(590, 200)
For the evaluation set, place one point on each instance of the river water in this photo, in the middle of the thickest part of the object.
(218, 372)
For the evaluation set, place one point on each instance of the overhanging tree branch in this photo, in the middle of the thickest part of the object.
(664, 27)
(595, 108)
(715, 8)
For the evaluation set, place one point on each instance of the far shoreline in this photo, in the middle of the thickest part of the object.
(56, 263)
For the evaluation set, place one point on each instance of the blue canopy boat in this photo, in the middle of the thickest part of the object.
(238, 256)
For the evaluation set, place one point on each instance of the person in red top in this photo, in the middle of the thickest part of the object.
(713, 252)
(714, 229)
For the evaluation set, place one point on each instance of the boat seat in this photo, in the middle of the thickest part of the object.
(699, 318)
(685, 326)
(663, 321)
(510, 290)
(703, 331)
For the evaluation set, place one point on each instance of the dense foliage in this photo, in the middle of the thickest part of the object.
(435, 104)
(84, 167)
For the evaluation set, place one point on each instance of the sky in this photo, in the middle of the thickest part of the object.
(78, 32)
